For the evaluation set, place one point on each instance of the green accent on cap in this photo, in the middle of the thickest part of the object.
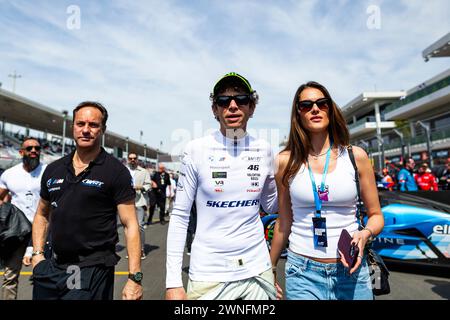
(234, 75)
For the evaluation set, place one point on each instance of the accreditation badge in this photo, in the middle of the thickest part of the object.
(320, 232)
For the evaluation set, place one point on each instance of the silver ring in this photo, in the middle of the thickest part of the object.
(360, 257)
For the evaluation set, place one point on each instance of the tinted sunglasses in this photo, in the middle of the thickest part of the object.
(132, 158)
(307, 105)
(29, 148)
(240, 99)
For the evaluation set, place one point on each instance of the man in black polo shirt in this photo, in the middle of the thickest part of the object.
(162, 180)
(81, 195)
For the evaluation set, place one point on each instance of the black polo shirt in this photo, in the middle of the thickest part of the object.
(84, 207)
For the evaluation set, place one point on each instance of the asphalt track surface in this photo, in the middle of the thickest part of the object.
(406, 283)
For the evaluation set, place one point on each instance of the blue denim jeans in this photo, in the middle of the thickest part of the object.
(307, 279)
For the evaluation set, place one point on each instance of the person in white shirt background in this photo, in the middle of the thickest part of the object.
(141, 184)
(170, 194)
(23, 183)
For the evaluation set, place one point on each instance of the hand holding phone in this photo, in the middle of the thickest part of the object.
(349, 250)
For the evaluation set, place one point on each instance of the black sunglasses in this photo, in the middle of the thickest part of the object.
(240, 99)
(29, 148)
(307, 105)
(132, 158)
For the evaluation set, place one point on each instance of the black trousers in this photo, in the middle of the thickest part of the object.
(161, 203)
(56, 282)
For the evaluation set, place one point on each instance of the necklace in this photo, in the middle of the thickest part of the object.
(316, 156)
(82, 166)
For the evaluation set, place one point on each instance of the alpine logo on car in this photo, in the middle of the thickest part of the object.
(441, 229)
(232, 204)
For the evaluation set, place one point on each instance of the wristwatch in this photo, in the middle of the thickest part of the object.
(136, 277)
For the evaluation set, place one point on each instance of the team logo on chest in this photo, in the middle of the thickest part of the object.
(54, 181)
(92, 183)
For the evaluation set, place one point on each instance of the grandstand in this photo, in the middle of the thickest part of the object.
(30, 115)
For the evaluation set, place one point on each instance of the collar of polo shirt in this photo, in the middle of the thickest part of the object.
(98, 161)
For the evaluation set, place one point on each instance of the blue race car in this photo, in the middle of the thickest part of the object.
(417, 229)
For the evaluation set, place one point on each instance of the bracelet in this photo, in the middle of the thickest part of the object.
(36, 253)
(274, 269)
(371, 233)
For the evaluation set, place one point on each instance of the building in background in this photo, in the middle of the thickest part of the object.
(392, 125)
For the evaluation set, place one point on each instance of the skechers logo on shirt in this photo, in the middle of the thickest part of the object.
(92, 183)
(232, 204)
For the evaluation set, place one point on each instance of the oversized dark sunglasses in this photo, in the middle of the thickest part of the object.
(307, 105)
(240, 99)
(132, 158)
(29, 148)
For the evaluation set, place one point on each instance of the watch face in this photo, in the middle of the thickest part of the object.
(138, 276)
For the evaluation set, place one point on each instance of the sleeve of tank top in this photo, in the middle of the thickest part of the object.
(179, 220)
(269, 195)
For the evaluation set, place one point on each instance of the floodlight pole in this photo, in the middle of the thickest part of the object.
(145, 154)
(14, 76)
(402, 141)
(428, 131)
(65, 112)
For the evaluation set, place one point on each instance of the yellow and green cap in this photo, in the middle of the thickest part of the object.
(232, 76)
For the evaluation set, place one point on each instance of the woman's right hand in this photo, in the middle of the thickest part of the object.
(279, 291)
(277, 286)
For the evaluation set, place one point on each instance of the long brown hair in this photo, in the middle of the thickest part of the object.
(299, 143)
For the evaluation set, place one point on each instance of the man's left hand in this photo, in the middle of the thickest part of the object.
(132, 291)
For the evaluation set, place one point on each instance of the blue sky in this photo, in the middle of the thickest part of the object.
(153, 63)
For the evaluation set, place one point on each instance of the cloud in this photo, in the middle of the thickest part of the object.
(153, 63)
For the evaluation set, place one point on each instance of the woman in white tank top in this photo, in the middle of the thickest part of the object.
(317, 198)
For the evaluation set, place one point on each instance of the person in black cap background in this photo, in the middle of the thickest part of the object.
(81, 195)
